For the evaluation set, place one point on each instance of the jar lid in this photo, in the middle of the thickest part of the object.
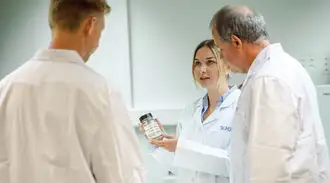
(145, 116)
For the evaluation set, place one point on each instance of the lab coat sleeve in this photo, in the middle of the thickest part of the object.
(130, 149)
(273, 126)
(105, 158)
(122, 163)
(164, 157)
(198, 157)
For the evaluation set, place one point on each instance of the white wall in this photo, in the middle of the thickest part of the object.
(112, 58)
(25, 29)
(165, 33)
(147, 47)
(323, 92)
(147, 50)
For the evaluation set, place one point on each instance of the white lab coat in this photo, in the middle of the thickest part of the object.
(60, 122)
(202, 154)
(277, 131)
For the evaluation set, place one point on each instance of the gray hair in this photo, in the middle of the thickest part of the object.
(241, 21)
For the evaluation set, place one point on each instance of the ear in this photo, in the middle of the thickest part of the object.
(89, 25)
(237, 42)
(213, 28)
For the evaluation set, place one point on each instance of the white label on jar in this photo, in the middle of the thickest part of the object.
(152, 130)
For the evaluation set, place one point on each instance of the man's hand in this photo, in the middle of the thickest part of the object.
(169, 143)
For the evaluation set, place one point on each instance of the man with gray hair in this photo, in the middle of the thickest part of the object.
(277, 131)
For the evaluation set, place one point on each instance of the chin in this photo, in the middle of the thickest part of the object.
(206, 85)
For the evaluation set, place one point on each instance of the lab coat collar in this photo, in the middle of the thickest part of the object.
(205, 101)
(261, 59)
(230, 98)
(58, 55)
(229, 101)
(225, 103)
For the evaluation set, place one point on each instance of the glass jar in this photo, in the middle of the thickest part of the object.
(151, 127)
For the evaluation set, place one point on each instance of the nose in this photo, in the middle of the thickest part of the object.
(202, 69)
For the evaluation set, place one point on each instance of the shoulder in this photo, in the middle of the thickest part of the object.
(191, 107)
(269, 82)
(93, 76)
(189, 110)
(99, 83)
(14, 76)
(273, 89)
(98, 86)
(283, 71)
(110, 86)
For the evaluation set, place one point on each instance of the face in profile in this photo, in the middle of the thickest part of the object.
(206, 70)
(93, 28)
(230, 51)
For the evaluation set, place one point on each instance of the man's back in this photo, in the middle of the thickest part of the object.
(59, 124)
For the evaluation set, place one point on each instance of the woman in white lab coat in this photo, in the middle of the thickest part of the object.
(199, 151)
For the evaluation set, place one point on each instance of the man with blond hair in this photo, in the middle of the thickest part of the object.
(60, 122)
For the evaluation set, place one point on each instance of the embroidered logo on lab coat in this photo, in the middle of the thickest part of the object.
(226, 128)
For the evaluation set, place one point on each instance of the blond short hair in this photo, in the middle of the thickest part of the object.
(68, 14)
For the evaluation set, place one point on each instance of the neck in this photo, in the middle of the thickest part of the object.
(215, 93)
(253, 51)
(67, 41)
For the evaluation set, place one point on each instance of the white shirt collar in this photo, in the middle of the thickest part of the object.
(58, 55)
(230, 99)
